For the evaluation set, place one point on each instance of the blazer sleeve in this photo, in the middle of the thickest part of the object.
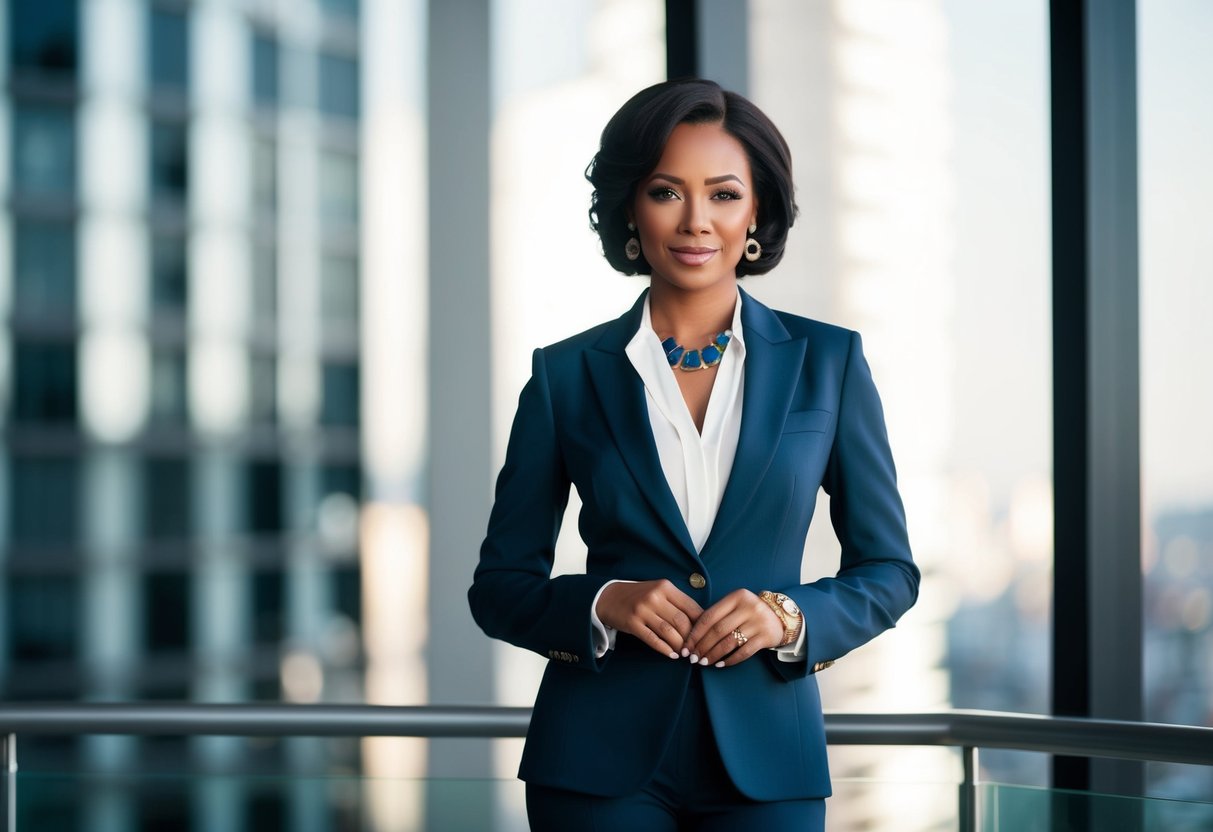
(513, 596)
(877, 580)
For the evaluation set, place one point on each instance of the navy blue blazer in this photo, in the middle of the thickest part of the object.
(811, 418)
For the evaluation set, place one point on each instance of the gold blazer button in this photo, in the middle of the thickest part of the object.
(698, 580)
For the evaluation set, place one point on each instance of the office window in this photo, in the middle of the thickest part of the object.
(347, 591)
(45, 269)
(340, 8)
(340, 404)
(263, 389)
(268, 606)
(338, 187)
(170, 278)
(170, 391)
(265, 70)
(338, 86)
(169, 52)
(166, 499)
(337, 478)
(339, 290)
(45, 383)
(44, 500)
(263, 499)
(43, 37)
(43, 617)
(265, 178)
(44, 151)
(1175, 128)
(170, 162)
(166, 612)
(265, 280)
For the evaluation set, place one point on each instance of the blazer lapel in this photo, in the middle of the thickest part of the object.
(772, 368)
(621, 396)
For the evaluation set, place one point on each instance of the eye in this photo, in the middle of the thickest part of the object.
(727, 193)
(663, 194)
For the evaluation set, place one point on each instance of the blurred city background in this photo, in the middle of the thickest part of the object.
(270, 276)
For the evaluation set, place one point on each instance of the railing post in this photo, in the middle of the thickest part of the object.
(8, 757)
(968, 790)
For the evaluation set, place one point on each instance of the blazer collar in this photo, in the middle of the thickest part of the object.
(772, 368)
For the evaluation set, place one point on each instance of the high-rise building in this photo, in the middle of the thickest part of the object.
(179, 358)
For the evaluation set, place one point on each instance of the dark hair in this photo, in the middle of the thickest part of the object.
(632, 144)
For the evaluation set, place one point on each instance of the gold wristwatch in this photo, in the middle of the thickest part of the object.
(788, 612)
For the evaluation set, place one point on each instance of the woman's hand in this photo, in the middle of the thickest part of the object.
(712, 641)
(656, 612)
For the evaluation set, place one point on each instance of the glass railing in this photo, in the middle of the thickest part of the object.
(226, 802)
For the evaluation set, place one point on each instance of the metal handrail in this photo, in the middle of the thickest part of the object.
(962, 728)
(967, 730)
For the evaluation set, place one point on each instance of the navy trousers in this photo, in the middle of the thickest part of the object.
(689, 791)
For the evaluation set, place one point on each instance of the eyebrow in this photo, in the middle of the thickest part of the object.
(714, 180)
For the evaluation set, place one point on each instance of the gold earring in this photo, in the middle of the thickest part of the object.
(631, 248)
(753, 249)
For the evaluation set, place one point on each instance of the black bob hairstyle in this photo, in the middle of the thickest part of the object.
(632, 144)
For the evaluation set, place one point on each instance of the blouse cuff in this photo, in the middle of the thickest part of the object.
(604, 636)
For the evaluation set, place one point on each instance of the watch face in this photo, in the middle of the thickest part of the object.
(789, 606)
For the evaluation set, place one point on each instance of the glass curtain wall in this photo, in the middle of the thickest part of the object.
(1175, 118)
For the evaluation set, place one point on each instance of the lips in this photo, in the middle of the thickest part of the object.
(692, 255)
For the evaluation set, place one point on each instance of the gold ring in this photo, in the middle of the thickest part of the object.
(741, 637)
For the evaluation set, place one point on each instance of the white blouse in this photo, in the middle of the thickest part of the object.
(696, 465)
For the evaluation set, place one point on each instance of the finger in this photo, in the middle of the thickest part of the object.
(739, 655)
(704, 624)
(685, 604)
(672, 632)
(720, 640)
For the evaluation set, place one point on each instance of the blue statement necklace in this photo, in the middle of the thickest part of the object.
(702, 358)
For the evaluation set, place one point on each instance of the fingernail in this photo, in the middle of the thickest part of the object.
(685, 652)
(673, 655)
(720, 664)
(694, 659)
(703, 662)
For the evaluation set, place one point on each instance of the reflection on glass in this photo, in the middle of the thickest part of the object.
(267, 606)
(263, 496)
(169, 402)
(166, 499)
(43, 37)
(265, 70)
(265, 176)
(265, 280)
(1175, 129)
(44, 151)
(45, 269)
(170, 280)
(338, 86)
(263, 389)
(340, 404)
(339, 187)
(166, 612)
(339, 290)
(170, 162)
(42, 617)
(169, 54)
(45, 382)
(44, 500)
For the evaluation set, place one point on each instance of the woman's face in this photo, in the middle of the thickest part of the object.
(693, 212)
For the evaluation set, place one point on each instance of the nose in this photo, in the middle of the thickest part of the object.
(695, 217)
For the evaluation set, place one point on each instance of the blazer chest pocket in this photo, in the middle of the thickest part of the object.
(807, 421)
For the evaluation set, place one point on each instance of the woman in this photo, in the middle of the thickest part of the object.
(697, 429)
